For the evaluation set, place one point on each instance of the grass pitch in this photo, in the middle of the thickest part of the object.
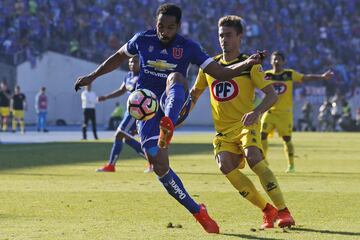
(50, 191)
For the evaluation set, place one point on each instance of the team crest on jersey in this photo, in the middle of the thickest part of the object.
(178, 52)
(225, 90)
(280, 88)
(151, 48)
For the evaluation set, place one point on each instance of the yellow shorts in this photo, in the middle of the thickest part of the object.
(237, 140)
(4, 111)
(18, 114)
(282, 122)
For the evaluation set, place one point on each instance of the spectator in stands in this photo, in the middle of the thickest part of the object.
(305, 122)
(336, 110)
(41, 108)
(345, 121)
(325, 118)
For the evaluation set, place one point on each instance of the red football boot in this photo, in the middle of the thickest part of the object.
(270, 214)
(106, 168)
(166, 132)
(206, 221)
(285, 218)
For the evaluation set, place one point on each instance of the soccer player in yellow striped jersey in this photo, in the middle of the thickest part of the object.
(237, 124)
(280, 115)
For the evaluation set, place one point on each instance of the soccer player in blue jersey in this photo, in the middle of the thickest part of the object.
(164, 58)
(127, 127)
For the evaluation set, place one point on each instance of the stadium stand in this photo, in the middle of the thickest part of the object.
(314, 35)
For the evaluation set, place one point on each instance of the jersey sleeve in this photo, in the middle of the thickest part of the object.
(296, 76)
(257, 75)
(199, 56)
(131, 47)
(200, 82)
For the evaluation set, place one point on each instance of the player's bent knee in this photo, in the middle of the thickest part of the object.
(225, 165)
(176, 77)
(253, 155)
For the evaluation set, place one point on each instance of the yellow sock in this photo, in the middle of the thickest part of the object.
(270, 184)
(246, 188)
(4, 127)
(289, 152)
(22, 125)
(14, 124)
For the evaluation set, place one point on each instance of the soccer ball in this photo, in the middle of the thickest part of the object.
(142, 104)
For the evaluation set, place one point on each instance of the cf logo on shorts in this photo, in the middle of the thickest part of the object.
(280, 88)
(224, 91)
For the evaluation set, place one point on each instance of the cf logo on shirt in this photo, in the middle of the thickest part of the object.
(279, 88)
(224, 91)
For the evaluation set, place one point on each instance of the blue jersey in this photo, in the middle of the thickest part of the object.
(130, 81)
(157, 61)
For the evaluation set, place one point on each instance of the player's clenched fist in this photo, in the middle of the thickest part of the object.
(83, 81)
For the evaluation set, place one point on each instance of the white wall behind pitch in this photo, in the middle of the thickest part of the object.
(58, 73)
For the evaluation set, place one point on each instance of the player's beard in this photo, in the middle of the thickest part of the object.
(166, 41)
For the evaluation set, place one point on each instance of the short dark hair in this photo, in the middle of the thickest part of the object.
(170, 10)
(232, 21)
(280, 54)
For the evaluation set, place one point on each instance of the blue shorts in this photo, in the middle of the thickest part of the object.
(149, 130)
(127, 125)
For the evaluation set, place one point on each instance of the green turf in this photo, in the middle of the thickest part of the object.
(50, 191)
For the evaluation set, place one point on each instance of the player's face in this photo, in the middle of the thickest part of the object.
(277, 61)
(229, 39)
(134, 65)
(166, 28)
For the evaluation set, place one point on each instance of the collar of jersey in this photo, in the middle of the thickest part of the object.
(222, 61)
(272, 71)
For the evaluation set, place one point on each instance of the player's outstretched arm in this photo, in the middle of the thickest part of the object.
(107, 66)
(328, 75)
(221, 73)
(269, 100)
(117, 93)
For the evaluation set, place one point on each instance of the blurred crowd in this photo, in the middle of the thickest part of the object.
(314, 35)
(334, 114)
